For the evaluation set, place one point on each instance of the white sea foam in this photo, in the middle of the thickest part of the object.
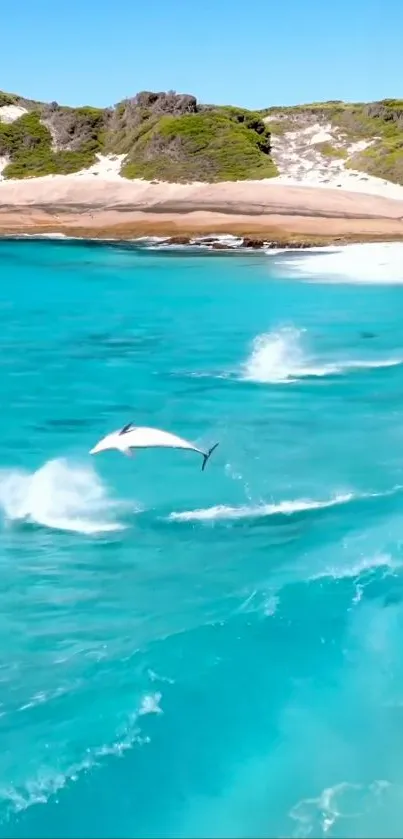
(228, 240)
(280, 356)
(362, 565)
(150, 242)
(286, 508)
(367, 263)
(59, 495)
(50, 780)
(49, 235)
(316, 816)
(150, 704)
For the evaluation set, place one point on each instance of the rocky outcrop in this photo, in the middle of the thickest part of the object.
(131, 118)
(73, 128)
(253, 243)
(163, 103)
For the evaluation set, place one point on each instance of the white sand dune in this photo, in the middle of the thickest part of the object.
(301, 163)
(9, 113)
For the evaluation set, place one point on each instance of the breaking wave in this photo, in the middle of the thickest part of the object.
(280, 357)
(284, 508)
(59, 495)
(367, 263)
(360, 567)
(223, 511)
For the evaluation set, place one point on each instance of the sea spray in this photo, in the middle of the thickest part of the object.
(59, 495)
(275, 356)
(282, 356)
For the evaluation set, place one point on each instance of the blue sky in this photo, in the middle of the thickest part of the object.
(253, 54)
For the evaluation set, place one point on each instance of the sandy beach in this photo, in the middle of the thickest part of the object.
(99, 203)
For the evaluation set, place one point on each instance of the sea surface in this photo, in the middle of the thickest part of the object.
(201, 654)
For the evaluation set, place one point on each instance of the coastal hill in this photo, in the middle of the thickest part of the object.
(171, 137)
(324, 139)
(158, 136)
(161, 164)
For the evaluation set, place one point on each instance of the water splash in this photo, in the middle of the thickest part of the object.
(59, 495)
(280, 356)
(275, 356)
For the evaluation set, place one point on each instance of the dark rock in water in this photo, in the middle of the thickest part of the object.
(219, 246)
(292, 246)
(368, 334)
(297, 246)
(178, 240)
(252, 243)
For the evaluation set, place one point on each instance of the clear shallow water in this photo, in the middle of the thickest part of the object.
(189, 654)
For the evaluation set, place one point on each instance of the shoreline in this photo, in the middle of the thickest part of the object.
(263, 230)
(285, 215)
(212, 243)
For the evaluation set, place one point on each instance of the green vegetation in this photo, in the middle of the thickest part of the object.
(213, 145)
(318, 108)
(7, 99)
(124, 133)
(328, 150)
(381, 123)
(280, 126)
(170, 137)
(28, 144)
(385, 160)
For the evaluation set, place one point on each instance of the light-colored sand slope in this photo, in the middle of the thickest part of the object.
(78, 206)
(313, 152)
(99, 201)
(249, 197)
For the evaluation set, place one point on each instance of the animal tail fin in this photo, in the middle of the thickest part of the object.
(207, 455)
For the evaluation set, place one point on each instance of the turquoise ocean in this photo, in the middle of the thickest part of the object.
(201, 654)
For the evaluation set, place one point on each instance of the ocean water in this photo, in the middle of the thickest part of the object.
(188, 654)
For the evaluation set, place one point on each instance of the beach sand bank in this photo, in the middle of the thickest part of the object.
(93, 206)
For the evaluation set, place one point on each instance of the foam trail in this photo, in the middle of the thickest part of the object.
(280, 357)
(41, 236)
(367, 263)
(360, 567)
(223, 511)
(38, 788)
(59, 495)
(285, 508)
